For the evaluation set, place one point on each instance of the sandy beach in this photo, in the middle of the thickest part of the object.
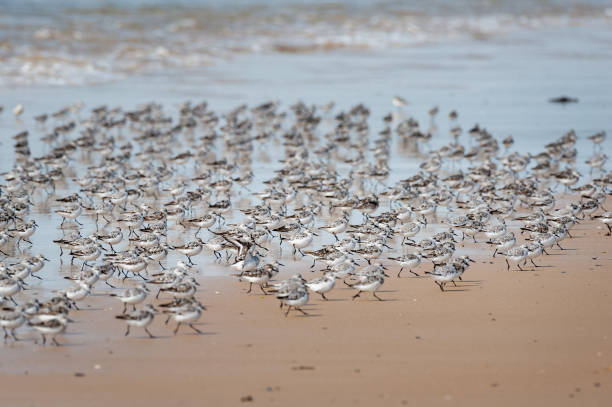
(538, 337)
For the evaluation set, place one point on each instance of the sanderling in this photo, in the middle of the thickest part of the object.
(24, 231)
(292, 293)
(141, 318)
(503, 242)
(516, 255)
(190, 249)
(300, 240)
(52, 327)
(443, 274)
(132, 296)
(188, 314)
(399, 101)
(11, 319)
(322, 284)
(336, 227)
(370, 283)
(606, 219)
(408, 261)
(9, 286)
(70, 212)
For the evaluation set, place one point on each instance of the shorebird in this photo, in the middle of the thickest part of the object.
(598, 138)
(606, 219)
(190, 249)
(132, 296)
(87, 254)
(70, 212)
(461, 264)
(534, 250)
(369, 283)
(399, 101)
(293, 293)
(18, 110)
(336, 227)
(188, 314)
(322, 284)
(516, 255)
(443, 274)
(503, 242)
(183, 289)
(141, 318)
(259, 275)
(203, 222)
(111, 238)
(11, 319)
(9, 286)
(77, 292)
(52, 327)
(300, 240)
(408, 261)
(24, 231)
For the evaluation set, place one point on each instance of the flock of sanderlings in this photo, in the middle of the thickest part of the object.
(126, 190)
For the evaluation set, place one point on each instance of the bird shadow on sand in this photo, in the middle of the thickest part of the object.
(192, 333)
(89, 309)
(383, 299)
(298, 315)
(155, 337)
(455, 289)
(466, 285)
(62, 344)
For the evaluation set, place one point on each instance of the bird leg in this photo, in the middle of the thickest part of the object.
(149, 333)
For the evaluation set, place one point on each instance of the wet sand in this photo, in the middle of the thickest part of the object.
(508, 338)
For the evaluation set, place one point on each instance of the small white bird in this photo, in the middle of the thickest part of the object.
(52, 327)
(188, 315)
(606, 219)
(322, 284)
(443, 274)
(516, 255)
(408, 261)
(399, 101)
(141, 318)
(18, 110)
(132, 296)
(369, 283)
(11, 319)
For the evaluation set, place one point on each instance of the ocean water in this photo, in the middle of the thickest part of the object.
(76, 42)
